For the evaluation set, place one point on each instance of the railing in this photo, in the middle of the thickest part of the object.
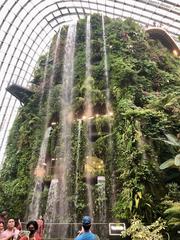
(54, 231)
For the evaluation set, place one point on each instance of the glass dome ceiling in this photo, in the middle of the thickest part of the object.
(27, 27)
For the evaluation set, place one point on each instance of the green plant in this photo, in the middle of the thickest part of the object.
(139, 231)
(173, 162)
(172, 214)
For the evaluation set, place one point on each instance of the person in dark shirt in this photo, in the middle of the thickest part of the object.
(32, 227)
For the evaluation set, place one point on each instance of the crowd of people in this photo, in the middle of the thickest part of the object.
(13, 230)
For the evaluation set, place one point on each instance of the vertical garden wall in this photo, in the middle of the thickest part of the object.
(135, 146)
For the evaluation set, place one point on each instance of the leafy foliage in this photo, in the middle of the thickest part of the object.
(139, 231)
(134, 143)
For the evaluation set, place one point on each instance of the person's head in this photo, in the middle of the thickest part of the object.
(86, 223)
(1, 226)
(4, 214)
(41, 217)
(10, 224)
(32, 226)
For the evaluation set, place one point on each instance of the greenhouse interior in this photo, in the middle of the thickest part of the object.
(90, 117)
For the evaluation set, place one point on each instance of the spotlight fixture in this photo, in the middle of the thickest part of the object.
(91, 117)
(175, 52)
(101, 180)
(110, 113)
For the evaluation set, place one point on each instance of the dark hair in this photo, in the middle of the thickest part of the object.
(86, 227)
(2, 222)
(4, 213)
(34, 223)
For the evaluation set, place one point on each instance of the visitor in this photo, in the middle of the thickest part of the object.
(4, 216)
(40, 230)
(85, 232)
(1, 228)
(18, 224)
(32, 227)
(11, 232)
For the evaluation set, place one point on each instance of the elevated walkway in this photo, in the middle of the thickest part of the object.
(163, 36)
(19, 92)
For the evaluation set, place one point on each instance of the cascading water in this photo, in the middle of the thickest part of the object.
(108, 105)
(39, 175)
(42, 90)
(41, 165)
(50, 209)
(88, 47)
(109, 113)
(57, 209)
(67, 119)
(88, 111)
(77, 161)
(102, 198)
(77, 171)
(45, 82)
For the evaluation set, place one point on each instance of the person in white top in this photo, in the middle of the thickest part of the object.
(11, 233)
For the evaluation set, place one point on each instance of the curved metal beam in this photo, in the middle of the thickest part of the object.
(164, 37)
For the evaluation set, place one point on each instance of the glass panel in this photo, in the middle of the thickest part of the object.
(80, 10)
(64, 11)
(102, 8)
(72, 10)
(93, 6)
(109, 9)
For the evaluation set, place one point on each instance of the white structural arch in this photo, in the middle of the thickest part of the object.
(27, 27)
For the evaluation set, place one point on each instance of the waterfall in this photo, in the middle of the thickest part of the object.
(77, 161)
(109, 113)
(102, 198)
(88, 47)
(67, 119)
(51, 82)
(88, 111)
(43, 87)
(39, 175)
(77, 169)
(108, 107)
(40, 170)
(44, 79)
(50, 209)
(88, 80)
(59, 205)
